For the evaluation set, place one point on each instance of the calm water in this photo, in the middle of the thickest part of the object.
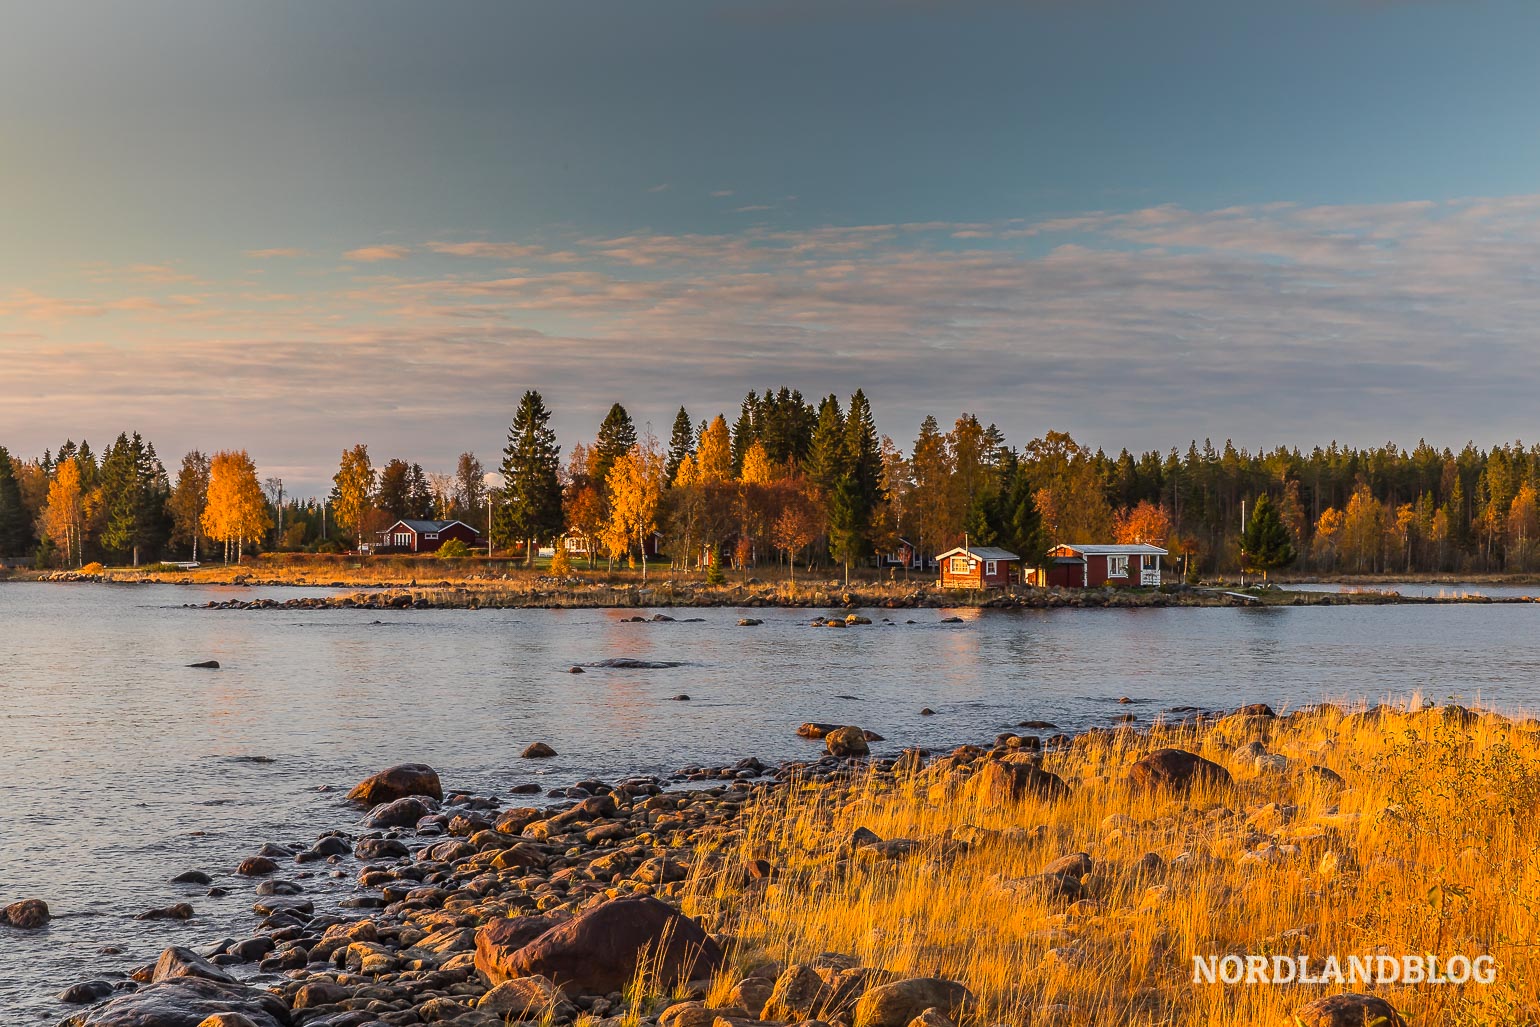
(121, 767)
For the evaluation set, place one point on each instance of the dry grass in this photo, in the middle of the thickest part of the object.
(1430, 847)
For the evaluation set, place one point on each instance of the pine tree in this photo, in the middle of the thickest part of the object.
(617, 434)
(680, 445)
(392, 495)
(15, 529)
(531, 507)
(419, 494)
(1266, 541)
(827, 459)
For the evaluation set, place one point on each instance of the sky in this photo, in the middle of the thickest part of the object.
(291, 226)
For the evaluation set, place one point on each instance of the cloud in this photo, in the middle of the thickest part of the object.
(751, 208)
(1148, 327)
(275, 252)
(661, 187)
(721, 193)
(374, 254)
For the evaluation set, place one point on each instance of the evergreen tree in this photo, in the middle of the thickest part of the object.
(1266, 540)
(393, 494)
(745, 431)
(15, 524)
(617, 434)
(857, 492)
(680, 445)
(531, 507)
(419, 494)
(826, 455)
(188, 499)
(131, 499)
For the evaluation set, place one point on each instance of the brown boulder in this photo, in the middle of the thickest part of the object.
(1004, 784)
(498, 940)
(186, 1002)
(1176, 770)
(398, 782)
(177, 962)
(538, 751)
(26, 915)
(597, 951)
(524, 998)
(1348, 1010)
(846, 741)
(896, 1004)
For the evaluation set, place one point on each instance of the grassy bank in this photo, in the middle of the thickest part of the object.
(1426, 844)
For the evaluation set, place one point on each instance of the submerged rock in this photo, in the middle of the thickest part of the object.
(26, 915)
(538, 751)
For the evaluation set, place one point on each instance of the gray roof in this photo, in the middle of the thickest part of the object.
(981, 553)
(427, 526)
(1136, 549)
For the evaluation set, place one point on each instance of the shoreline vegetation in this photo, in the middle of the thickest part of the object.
(1038, 879)
(437, 584)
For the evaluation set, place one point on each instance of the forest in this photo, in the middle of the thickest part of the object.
(797, 483)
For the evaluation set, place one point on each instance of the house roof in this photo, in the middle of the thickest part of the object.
(1137, 549)
(980, 553)
(426, 526)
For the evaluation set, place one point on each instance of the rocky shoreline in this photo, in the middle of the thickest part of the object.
(474, 911)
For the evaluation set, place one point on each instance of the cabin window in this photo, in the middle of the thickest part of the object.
(958, 565)
(1117, 566)
(431, 535)
(403, 538)
(989, 566)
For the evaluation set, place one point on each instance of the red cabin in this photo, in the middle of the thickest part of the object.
(1093, 566)
(425, 536)
(977, 567)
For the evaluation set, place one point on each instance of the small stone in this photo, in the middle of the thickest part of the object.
(256, 866)
(205, 665)
(192, 877)
(179, 911)
(539, 751)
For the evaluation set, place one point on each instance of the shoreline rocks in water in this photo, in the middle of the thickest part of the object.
(26, 914)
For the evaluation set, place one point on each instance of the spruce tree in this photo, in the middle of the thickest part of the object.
(680, 445)
(746, 430)
(857, 492)
(826, 453)
(15, 525)
(531, 506)
(617, 434)
(1266, 541)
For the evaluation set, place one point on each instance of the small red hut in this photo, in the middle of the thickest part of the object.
(977, 567)
(412, 536)
(1091, 566)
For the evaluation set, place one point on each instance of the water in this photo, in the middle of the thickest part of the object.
(1441, 589)
(122, 767)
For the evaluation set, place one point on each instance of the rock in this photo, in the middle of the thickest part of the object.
(1004, 784)
(26, 915)
(596, 952)
(1076, 864)
(1256, 709)
(896, 1004)
(1348, 1010)
(498, 940)
(797, 995)
(750, 622)
(85, 993)
(932, 1017)
(227, 1020)
(256, 866)
(179, 911)
(687, 1014)
(524, 998)
(187, 1002)
(319, 993)
(380, 848)
(576, 670)
(846, 741)
(177, 962)
(539, 751)
(1322, 777)
(192, 877)
(205, 665)
(927, 712)
(815, 730)
(400, 813)
(398, 782)
(1177, 770)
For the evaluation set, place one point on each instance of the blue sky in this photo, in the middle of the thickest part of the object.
(302, 225)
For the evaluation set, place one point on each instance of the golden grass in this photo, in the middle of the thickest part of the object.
(1432, 846)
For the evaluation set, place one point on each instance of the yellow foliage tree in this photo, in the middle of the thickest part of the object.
(758, 468)
(714, 458)
(635, 483)
(1145, 522)
(62, 517)
(236, 510)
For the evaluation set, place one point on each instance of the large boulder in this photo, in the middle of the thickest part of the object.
(997, 783)
(846, 741)
(185, 1002)
(1177, 770)
(895, 1004)
(400, 813)
(26, 915)
(498, 941)
(597, 951)
(397, 783)
(1348, 1010)
(525, 998)
(176, 962)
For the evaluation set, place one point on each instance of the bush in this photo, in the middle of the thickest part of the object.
(93, 568)
(454, 549)
(714, 575)
(561, 562)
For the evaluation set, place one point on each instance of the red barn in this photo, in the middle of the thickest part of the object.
(425, 536)
(1092, 566)
(977, 567)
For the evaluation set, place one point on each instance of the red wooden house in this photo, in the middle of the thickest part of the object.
(410, 536)
(977, 567)
(1091, 566)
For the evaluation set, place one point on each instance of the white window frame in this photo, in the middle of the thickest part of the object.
(431, 535)
(958, 565)
(403, 538)
(989, 568)
(1117, 566)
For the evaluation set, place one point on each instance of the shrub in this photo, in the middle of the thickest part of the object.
(93, 568)
(454, 549)
(561, 563)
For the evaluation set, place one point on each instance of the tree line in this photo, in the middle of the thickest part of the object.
(793, 482)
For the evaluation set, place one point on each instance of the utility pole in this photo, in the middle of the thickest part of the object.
(1243, 543)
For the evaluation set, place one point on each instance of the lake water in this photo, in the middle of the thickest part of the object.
(122, 767)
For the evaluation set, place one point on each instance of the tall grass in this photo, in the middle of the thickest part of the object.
(1430, 845)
